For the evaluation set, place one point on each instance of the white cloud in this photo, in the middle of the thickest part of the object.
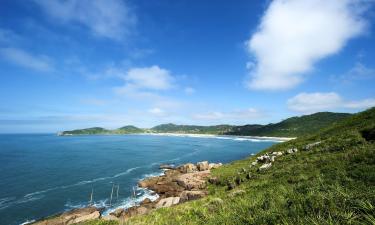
(242, 114)
(189, 90)
(145, 81)
(294, 34)
(110, 18)
(154, 78)
(358, 72)
(26, 59)
(315, 102)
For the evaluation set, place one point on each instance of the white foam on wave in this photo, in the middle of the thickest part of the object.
(141, 194)
(27, 222)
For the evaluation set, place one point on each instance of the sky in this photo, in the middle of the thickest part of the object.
(68, 64)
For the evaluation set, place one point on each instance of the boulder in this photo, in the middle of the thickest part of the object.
(291, 150)
(146, 201)
(71, 217)
(254, 163)
(214, 180)
(277, 153)
(109, 217)
(192, 195)
(118, 212)
(202, 166)
(187, 168)
(92, 216)
(265, 166)
(264, 159)
(195, 180)
(167, 202)
(214, 165)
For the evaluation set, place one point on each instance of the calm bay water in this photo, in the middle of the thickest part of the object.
(43, 174)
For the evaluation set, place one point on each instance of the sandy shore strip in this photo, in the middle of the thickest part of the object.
(265, 138)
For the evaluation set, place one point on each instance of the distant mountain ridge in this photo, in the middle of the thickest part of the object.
(291, 127)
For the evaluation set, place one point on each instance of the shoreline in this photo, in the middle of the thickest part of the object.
(156, 187)
(250, 138)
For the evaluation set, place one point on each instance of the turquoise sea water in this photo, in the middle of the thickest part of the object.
(44, 174)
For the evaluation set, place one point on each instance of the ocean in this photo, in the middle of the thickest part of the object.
(45, 174)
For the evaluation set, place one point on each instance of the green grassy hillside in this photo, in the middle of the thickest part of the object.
(292, 127)
(191, 129)
(330, 183)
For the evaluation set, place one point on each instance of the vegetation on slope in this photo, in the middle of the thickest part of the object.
(292, 127)
(331, 183)
(192, 129)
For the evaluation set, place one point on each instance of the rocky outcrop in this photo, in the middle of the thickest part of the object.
(192, 195)
(187, 168)
(72, 217)
(291, 151)
(202, 166)
(167, 202)
(184, 183)
(265, 166)
(190, 181)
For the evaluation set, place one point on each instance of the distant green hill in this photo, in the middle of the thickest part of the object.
(192, 129)
(292, 127)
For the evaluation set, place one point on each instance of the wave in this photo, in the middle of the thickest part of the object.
(27, 222)
(141, 194)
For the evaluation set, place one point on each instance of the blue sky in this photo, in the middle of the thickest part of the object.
(73, 64)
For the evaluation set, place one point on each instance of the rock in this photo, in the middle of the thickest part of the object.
(192, 195)
(92, 216)
(188, 168)
(195, 180)
(214, 165)
(214, 180)
(142, 210)
(109, 217)
(238, 180)
(202, 166)
(71, 217)
(265, 166)
(166, 167)
(272, 159)
(118, 212)
(264, 159)
(167, 202)
(148, 182)
(236, 193)
(291, 150)
(146, 201)
(254, 163)
(277, 153)
(231, 186)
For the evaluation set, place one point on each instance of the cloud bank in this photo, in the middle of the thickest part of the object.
(318, 101)
(26, 59)
(295, 34)
(110, 18)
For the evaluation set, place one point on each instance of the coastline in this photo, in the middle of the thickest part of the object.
(249, 138)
